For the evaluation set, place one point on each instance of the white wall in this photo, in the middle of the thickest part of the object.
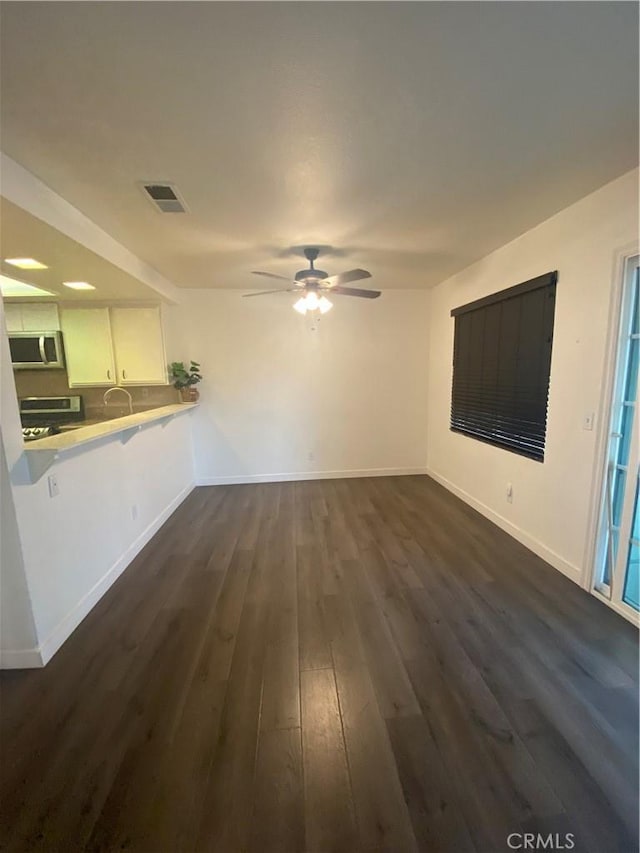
(352, 393)
(17, 628)
(552, 501)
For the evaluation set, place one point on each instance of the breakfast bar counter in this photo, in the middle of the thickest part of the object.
(42, 453)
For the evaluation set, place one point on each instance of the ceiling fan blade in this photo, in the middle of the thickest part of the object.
(345, 277)
(265, 292)
(355, 291)
(271, 275)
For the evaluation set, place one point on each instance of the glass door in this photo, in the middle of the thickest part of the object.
(618, 547)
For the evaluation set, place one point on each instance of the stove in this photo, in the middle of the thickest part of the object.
(43, 416)
(33, 433)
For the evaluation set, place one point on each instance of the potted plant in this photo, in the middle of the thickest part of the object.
(185, 379)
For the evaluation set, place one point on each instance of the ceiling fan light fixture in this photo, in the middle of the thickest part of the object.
(301, 306)
(312, 300)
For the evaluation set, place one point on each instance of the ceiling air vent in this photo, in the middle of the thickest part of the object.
(164, 197)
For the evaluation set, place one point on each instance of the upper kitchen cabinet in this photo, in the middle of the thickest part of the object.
(138, 346)
(35, 317)
(108, 346)
(88, 346)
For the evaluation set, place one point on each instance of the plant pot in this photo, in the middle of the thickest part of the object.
(190, 394)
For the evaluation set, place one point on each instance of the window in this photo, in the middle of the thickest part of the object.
(501, 362)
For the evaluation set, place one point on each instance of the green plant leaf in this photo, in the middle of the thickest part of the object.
(183, 378)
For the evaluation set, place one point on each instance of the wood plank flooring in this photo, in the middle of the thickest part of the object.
(347, 665)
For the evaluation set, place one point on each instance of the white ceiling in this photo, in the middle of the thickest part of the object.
(413, 138)
(25, 236)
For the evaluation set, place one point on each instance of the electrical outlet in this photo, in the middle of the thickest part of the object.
(311, 456)
(134, 511)
(588, 420)
(510, 493)
(145, 393)
(54, 488)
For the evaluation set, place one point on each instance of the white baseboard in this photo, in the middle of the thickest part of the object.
(70, 622)
(238, 479)
(21, 659)
(574, 573)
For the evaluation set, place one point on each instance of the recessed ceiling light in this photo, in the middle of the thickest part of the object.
(78, 285)
(13, 287)
(26, 263)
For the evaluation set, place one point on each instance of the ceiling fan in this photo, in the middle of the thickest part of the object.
(313, 284)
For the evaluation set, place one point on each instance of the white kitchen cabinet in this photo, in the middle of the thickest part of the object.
(109, 346)
(138, 346)
(13, 316)
(33, 317)
(40, 317)
(88, 346)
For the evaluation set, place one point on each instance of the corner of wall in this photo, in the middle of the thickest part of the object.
(18, 637)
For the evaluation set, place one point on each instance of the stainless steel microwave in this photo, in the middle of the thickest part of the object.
(36, 350)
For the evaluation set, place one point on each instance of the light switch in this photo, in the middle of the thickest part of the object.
(587, 421)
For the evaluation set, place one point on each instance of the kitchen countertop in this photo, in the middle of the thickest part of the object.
(71, 438)
(85, 423)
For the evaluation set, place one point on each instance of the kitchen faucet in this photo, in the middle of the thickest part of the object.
(110, 391)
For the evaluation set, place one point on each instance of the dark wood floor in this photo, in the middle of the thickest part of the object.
(328, 666)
